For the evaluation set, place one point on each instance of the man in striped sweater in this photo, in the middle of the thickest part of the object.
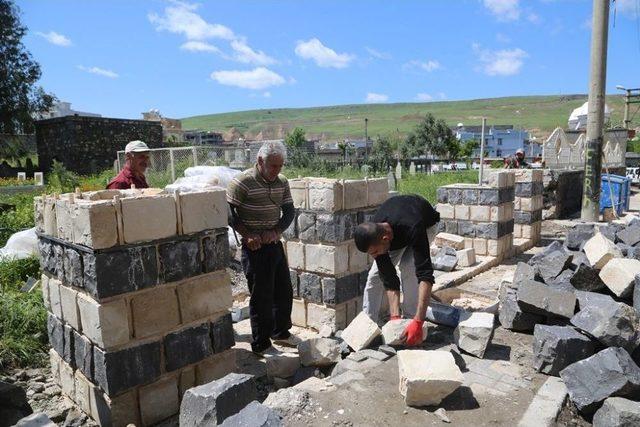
(261, 209)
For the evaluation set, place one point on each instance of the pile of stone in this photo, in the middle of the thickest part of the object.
(137, 294)
(328, 272)
(479, 216)
(581, 299)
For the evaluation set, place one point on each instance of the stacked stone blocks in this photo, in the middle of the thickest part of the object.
(138, 298)
(481, 214)
(328, 272)
(528, 204)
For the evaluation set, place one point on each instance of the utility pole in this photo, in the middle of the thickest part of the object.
(632, 96)
(480, 176)
(595, 114)
(366, 138)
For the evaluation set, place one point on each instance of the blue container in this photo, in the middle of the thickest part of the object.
(620, 188)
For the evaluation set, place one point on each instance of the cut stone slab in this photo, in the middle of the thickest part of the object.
(466, 257)
(600, 250)
(392, 331)
(445, 259)
(523, 272)
(556, 347)
(554, 246)
(619, 275)
(617, 412)
(629, 235)
(585, 299)
(361, 332)
(212, 403)
(451, 240)
(254, 415)
(288, 402)
(579, 258)
(611, 323)
(283, 365)
(319, 352)
(579, 234)
(546, 405)
(586, 278)
(427, 377)
(551, 265)
(538, 298)
(473, 333)
(512, 317)
(563, 281)
(608, 373)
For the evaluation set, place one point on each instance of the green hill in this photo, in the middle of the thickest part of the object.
(539, 114)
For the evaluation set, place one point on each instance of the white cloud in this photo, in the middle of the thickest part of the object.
(628, 7)
(99, 71)
(442, 95)
(266, 94)
(506, 62)
(424, 97)
(377, 54)
(246, 55)
(180, 18)
(376, 97)
(55, 38)
(504, 10)
(533, 18)
(587, 24)
(322, 55)
(256, 79)
(428, 66)
(502, 38)
(198, 46)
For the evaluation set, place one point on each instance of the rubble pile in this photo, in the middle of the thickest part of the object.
(581, 300)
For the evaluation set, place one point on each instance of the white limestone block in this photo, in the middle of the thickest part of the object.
(393, 330)
(324, 194)
(619, 274)
(473, 333)
(203, 210)
(295, 254)
(360, 332)
(378, 191)
(355, 194)
(95, 224)
(600, 250)
(466, 257)
(319, 352)
(148, 218)
(328, 259)
(427, 377)
(447, 239)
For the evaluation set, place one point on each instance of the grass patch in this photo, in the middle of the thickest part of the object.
(23, 317)
(426, 185)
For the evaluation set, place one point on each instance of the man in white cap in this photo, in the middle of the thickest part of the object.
(517, 162)
(137, 155)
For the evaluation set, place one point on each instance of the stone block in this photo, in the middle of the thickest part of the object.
(393, 330)
(187, 380)
(105, 324)
(446, 211)
(222, 333)
(454, 196)
(499, 247)
(319, 352)
(64, 220)
(358, 261)
(68, 354)
(54, 363)
(333, 317)
(473, 333)
(306, 226)
(442, 195)
(629, 235)
(327, 259)
(211, 404)
(325, 195)
(497, 179)
(299, 313)
(203, 210)
(82, 392)
(54, 297)
(298, 188)
(117, 411)
(179, 260)
(281, 365)
(37, 419)
(159, 401)
(448, 226)
(586, 299)
(427, 377)
(538, 298)
(73, 269)
(480, 246)
(611, 372)
(377, 191)
(466, 257)
(552, 264)
(487, 196)
(202, 296)
(83, 354)
(135, 218)
(340, 289)
(600, 250)
(69, 306)
(94, 223)
(586, 278)
(556, 347)
(118, 371)
(470, 196)
(311, 287)
(462, 212)
(295, 254)
(617, 412)
(480, 213)
(465, 228)
(500, 213)
(445, 259)
(512, 317)
(216, 367)
(55, 331)
(450, 240)
(619, 275)
(154, 312)
(611, 323)
(254, 415)
(577, 235)
(187, 346)
(355, 194)
(67, 380)
(215, 250)
(361, 332)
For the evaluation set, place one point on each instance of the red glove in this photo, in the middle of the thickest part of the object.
(413, 332)
(395, 317)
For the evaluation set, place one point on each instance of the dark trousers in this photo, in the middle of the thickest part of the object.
(269, 282)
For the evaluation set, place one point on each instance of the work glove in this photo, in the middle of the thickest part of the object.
(395, 317)
(413, 332)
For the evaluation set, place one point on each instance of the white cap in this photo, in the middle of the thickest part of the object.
(136, 146)
(518, 151)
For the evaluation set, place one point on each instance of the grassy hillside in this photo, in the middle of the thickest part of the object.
(539, 114)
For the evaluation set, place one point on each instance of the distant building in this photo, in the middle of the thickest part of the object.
(355, 150)
(171, 128)
(203, 137)
(63, 109)
(578, 118)
(499, 140)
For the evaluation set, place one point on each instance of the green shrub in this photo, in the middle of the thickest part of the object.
(426, 185)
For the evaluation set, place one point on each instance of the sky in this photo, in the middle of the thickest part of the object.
(119, 58)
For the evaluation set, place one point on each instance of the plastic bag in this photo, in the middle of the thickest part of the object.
(20, 245)
(224, 174)
(198, 178)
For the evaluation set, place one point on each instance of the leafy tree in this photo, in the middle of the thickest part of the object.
(381, 153)
(435, 137)
(295, 138)
(295, 141)
(466, 150)
(20, 97)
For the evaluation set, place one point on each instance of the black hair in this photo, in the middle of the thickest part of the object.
(367, 234)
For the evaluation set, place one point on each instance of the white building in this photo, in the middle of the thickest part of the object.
(578, 117)
(62, 109)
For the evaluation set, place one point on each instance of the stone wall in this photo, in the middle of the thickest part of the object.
(481, 214)
(137, 304)
(527, 205)
(327, 270)
(89, 144)
(562, 193)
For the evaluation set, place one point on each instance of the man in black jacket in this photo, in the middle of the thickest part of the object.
(397, 235)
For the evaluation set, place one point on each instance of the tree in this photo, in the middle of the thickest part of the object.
(381, 154)
(468, 146)
(20, 96)
(435, 137)
(296, 138)
(295, 141)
